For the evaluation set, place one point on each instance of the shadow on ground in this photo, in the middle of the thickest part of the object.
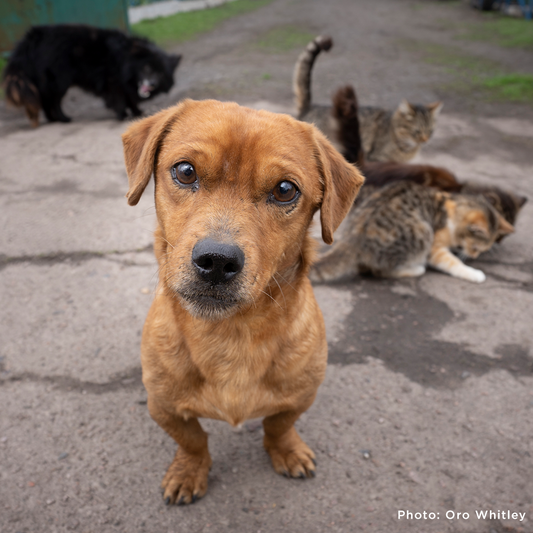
(398, 329)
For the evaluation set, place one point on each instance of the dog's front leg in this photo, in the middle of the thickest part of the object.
(290, 455)
(186, 478)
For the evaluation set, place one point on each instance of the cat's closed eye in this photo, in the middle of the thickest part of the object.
(477, 231)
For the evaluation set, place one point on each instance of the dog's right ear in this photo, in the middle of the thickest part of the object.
(341, 182)
(141, 141)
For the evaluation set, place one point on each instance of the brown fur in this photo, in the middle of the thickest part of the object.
(380, 174)
(256, 348)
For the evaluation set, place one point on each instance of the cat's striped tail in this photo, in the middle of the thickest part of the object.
(301, 83)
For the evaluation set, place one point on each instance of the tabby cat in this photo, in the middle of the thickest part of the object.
(403, 227)
(386, 135)
(377, 175)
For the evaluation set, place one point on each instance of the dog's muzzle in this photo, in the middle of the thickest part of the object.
(217, 262)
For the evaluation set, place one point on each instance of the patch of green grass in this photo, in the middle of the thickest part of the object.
(504, 31)
(511, 87)
(284, 39)
(418, 6)
(475, 76)
(457, 61)
(184, 26)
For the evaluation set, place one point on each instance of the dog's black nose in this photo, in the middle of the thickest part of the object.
(217, 262)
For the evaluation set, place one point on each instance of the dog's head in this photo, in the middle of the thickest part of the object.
(235, 193)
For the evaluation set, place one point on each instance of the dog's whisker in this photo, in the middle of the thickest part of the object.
(144, 216)
(287, 282)
(301, 252)
(270, 296)
(274, 278)
(161, 237)
(253, 300)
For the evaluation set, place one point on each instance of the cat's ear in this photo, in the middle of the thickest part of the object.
(141, 141)
(504, 227)
(405, 108)
(173, 61)
(341, 182)
(520, 200)
(435, 108)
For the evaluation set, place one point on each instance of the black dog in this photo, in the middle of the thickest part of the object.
(120, 69)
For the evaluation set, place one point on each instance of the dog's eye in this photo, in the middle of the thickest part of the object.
(285, 192)
(184, 173)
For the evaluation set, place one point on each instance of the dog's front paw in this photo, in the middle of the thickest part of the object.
(291, 456)
(186, 478)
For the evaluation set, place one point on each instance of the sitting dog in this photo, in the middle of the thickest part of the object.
(234, 331)
(120, 69)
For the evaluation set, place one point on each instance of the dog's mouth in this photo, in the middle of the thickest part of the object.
(209, 304)
(145, 88)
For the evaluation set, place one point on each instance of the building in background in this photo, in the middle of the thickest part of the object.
(16, 16)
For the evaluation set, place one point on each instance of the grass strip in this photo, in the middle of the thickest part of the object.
(511, 87)
(185, 26)
(503, 31)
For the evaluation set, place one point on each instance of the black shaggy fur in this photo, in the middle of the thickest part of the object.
(120, 69)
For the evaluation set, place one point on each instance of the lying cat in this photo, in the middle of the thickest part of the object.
(386, 135)
(403, 227)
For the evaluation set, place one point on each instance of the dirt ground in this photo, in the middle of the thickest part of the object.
(428, 400)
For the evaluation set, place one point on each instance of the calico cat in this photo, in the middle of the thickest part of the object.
(377, 175)
(386, 135)
(403, 227)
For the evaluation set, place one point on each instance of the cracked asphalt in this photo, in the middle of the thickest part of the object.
(428, 400)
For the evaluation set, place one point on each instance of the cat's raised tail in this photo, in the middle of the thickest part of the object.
(302, 73)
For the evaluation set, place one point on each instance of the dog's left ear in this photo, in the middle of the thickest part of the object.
(341, 183)
(141, 142)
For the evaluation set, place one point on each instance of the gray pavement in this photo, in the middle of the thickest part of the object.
(428, 400)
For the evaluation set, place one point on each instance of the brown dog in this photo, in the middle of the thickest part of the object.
(234, 331)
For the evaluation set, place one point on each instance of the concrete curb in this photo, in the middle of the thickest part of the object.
(170, 7)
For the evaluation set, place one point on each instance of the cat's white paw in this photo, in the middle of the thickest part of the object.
(472, 274)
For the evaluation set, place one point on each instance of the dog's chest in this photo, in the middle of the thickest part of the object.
(235, 391)
(237, 402)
